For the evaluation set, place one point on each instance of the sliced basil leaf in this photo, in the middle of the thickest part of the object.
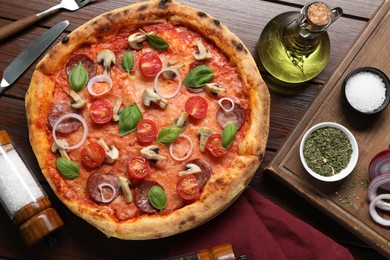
(168, 134)
(198, 76)
(156, 42)
(228, 134)
(128, 119)
(78, 77)
(67, 168)
(127, 61)
(157, 197)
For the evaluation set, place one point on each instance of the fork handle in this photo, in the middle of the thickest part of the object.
(17, 26)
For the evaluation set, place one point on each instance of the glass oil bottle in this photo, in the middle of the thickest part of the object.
(294, 47)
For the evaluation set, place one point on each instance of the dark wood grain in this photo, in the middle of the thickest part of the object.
(246, 18)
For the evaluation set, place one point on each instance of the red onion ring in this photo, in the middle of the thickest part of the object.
(224, 108)
(380, 165)
(106, 184)
(85, 132)
(377, 182)
(99, 78)
(189, 150)
(374, 214)
(178, 85)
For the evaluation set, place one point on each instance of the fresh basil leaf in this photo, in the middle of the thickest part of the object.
(157, 197)
(168, 134)
(198, 76)
(127, 61)
(128, 119)
(228, 134)
(78, 77)
(156, 42)
(67, 168)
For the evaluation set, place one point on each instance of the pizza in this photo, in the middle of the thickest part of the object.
(148, 120)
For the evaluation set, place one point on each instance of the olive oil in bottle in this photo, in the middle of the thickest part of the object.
(294, 47)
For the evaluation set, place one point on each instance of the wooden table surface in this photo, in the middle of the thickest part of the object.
(245, 18)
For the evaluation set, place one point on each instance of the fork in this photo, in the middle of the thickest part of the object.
(10, 29)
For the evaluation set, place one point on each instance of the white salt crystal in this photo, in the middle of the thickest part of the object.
(365, 91)
(17, 186)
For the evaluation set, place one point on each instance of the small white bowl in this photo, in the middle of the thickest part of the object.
(354, 156)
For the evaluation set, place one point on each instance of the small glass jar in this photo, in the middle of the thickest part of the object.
(22, 196)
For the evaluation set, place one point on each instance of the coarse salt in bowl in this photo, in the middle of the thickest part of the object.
(366, 90)
(352, 162)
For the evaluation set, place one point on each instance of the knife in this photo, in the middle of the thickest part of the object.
(30, 54)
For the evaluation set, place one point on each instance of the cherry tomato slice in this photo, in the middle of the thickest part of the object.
(196, 107)
(101, 111)
(92, 155)
(138, 167)
(146, 131)
(187, 187)
(214, 145)
(150, 64)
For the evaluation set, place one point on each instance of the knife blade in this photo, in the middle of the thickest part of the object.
(30, 54)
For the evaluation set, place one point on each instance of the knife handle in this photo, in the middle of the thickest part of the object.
(17, 26)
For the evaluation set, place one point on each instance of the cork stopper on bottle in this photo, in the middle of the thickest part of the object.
(319, 14)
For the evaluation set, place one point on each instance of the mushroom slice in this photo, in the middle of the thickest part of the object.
(151, 153)
(112, 152)
(181, 121)
(135, 40)
(168, 74)
(117, 109)
(78, 101)
(124, 185)
(149, 96)
(203, 133)
(55, 148)
(191, 168)
(213, 89)
(107, 58)
(202, 53)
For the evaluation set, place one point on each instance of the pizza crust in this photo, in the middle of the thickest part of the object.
(222, 188)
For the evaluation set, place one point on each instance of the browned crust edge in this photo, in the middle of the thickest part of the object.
(222, 188)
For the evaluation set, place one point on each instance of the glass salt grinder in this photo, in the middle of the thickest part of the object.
(22, 196)
(294, 47)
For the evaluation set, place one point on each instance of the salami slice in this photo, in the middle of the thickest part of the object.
(142, 196)
(100, 187)
(237, 117)
(66, 126)
(195, 90)
(86, 61)
(206, 168)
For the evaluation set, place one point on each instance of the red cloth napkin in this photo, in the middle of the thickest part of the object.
(259, 229)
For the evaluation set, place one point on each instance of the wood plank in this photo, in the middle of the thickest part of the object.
(363, 9)
(358, 8)
(286, 110)
(346, 201)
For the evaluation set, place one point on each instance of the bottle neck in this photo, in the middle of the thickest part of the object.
(300, 41)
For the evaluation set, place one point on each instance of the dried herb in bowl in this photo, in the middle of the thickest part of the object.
(327, 151)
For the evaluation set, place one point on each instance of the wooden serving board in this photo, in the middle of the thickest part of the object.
(346, 200)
